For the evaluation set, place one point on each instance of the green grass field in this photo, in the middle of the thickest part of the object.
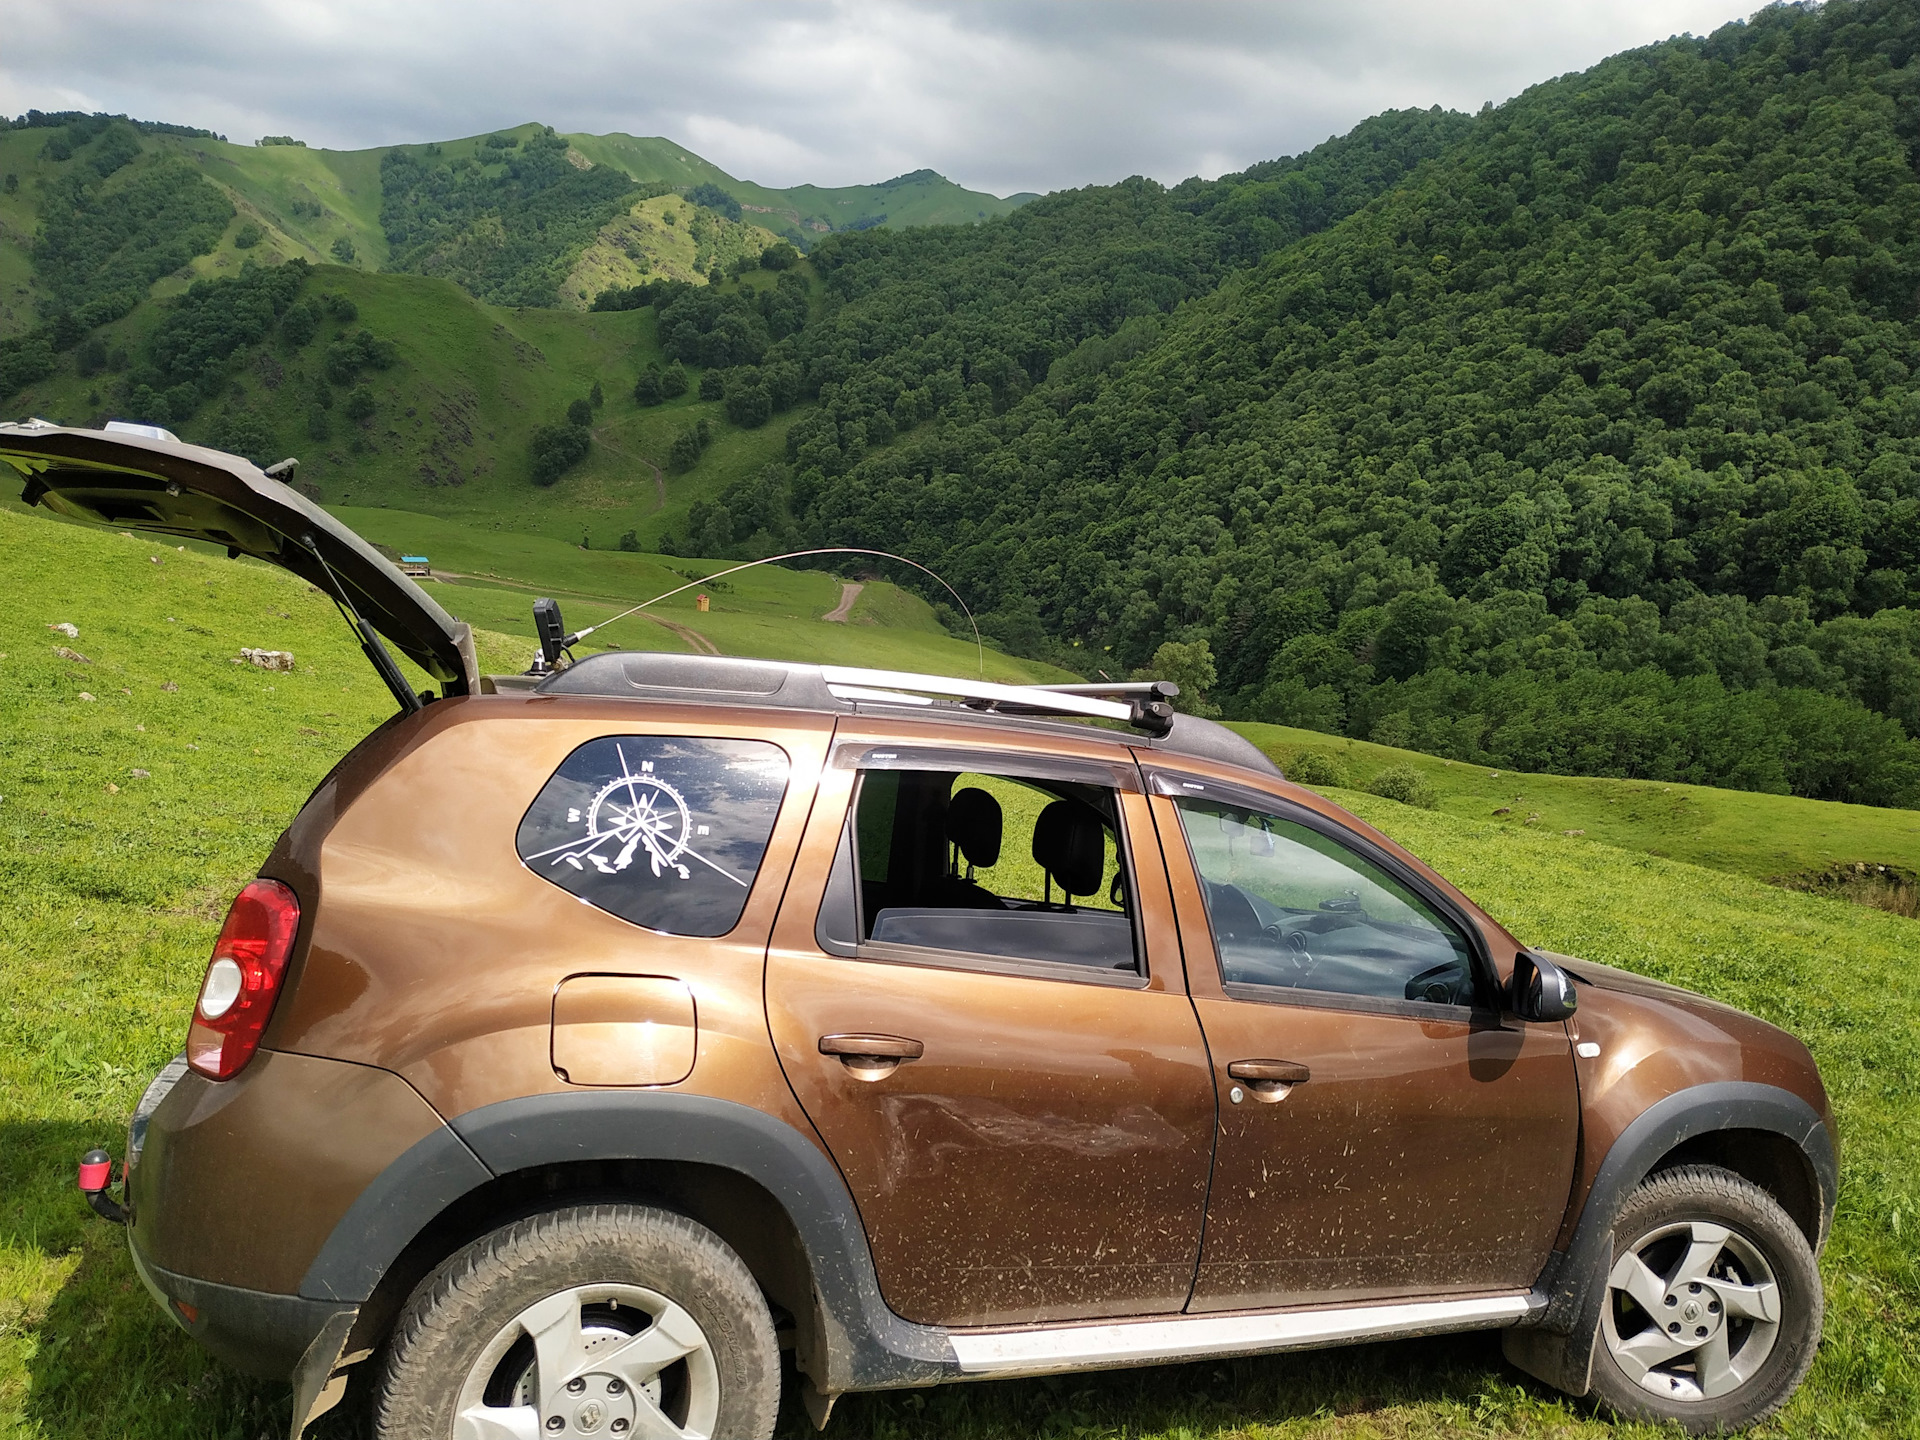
(1767, 837)
(112, 884)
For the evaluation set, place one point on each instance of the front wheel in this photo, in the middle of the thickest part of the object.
(614, 1322)
(1713, 1304)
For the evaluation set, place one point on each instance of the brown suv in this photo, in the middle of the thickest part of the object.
(601, 1036)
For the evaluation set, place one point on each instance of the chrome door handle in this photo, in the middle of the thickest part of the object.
(1269, 1080)
(871, 1057)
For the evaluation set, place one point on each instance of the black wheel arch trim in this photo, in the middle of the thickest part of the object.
(1563, 1342)
(868, 1346)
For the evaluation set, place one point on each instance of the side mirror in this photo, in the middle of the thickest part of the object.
(1541, 989)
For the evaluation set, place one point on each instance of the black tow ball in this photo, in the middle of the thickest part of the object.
(96, 1178)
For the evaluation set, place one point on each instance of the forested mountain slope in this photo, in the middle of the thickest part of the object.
(1593, 446)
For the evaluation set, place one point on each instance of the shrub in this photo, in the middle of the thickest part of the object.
(629, 540)
(301, 323)
(1405, 784)
(1319, 770)
(596, 396)
(648, 389)
(359, 404)
(318, 426)
(779, 256)
(341, 308)
(557, 449)
(580, 412)
(685, 453)
(713, 385)
(248, 236)
(342, 250)
(673, 381)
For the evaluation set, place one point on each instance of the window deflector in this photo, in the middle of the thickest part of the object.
(1176, 786)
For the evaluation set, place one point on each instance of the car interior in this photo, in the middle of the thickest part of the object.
(1020, 869)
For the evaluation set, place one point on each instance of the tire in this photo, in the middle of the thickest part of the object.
(650, 1326)
(1713, 1304)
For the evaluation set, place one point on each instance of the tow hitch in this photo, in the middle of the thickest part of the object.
(96, 1178)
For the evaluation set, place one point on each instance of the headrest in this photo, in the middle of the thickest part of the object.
(973, 823)
(1071, 844)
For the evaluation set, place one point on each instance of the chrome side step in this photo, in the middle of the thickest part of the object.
(1193, 1337)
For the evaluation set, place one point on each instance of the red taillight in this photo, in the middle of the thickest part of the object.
(243, 979)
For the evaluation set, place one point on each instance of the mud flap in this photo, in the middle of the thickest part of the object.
(320, 1379)
(1549, 1356)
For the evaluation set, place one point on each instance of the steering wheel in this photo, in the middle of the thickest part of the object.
(1438, 985)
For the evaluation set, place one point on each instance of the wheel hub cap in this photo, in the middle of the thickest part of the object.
(1692, 1311)
(598, 1362)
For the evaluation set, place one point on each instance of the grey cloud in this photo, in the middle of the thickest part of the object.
(999, 95)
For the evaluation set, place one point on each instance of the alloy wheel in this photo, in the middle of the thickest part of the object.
(595, 1362)
(1693, 1310)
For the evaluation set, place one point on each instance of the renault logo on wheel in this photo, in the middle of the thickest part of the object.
(588, 1417)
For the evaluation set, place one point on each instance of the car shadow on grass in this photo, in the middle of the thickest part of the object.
(1432, 1386)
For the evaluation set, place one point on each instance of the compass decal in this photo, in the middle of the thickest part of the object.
(664, 831)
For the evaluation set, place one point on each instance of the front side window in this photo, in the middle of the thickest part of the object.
(989, 866)
(1295, 909)
(665, 831)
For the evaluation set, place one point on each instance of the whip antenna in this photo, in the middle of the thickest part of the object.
(980, 649)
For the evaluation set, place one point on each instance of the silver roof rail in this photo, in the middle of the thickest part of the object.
(1146, 707)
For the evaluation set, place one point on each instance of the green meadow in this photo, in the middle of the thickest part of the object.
(141, 785)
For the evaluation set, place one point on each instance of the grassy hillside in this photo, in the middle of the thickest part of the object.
(1765, 837)
(490, 579)
(455, 412)
(112, 884)
(803, 211)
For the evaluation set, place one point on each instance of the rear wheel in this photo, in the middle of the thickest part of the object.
(1713, 1304)
(614, 1322)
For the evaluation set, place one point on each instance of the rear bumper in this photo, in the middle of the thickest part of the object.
(254, 1331)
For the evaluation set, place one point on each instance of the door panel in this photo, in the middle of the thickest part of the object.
(1422, 1156)
(1045, 1156)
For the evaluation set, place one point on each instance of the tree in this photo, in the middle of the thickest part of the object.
(647, 389)
(748, 401)
(596, 396)
(779, 256)
(11, 184)
(713, 385)
(1190, 666)
(580, 412)
(342, 249)
(319, 428)
(555, 449)
(629, 540)
(359, 406)
(673, 381)
(248, 236)
(301, 323)
(685, 452)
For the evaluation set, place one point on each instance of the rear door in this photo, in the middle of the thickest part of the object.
(1012, 1081)
(1385, 1131)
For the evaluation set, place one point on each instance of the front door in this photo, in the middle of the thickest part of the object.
(1385, 1132)
(987, 1024)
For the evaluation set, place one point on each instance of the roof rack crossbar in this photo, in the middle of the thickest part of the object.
(846, 676)
(1151, 689)
(1150, 712)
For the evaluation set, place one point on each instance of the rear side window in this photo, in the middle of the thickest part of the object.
(982, 869)
(665, 831)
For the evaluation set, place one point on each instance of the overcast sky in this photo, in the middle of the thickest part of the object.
(1006, 96)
